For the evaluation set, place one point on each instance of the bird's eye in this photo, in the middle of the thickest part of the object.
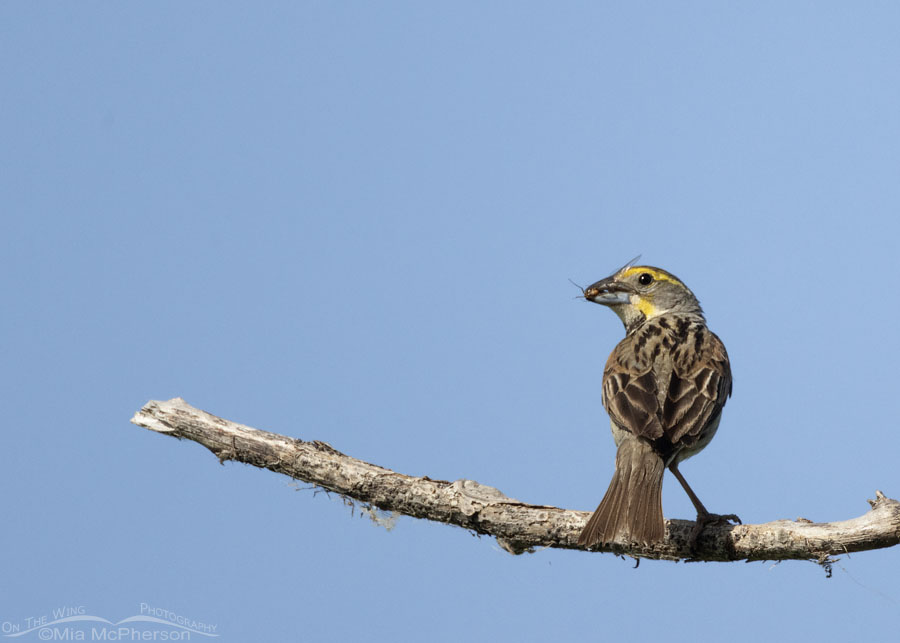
(645, 279)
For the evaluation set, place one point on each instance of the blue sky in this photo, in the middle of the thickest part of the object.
(356, 223)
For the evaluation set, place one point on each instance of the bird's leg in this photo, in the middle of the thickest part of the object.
(703, 516)
(701, 510)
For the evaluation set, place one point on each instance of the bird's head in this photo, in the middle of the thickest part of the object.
(639, 293)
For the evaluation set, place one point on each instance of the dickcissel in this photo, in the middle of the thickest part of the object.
(664, 387)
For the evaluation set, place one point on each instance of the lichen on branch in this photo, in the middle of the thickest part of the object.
(518, 527)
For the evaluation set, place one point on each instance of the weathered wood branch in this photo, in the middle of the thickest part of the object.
(519, 527)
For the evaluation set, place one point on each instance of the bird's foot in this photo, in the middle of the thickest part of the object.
(710, 519)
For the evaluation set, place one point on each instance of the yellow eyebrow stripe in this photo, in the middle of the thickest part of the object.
(658, 275)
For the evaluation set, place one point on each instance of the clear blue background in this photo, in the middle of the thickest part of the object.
(355, 222)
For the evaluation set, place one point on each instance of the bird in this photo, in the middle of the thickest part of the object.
(664, 387)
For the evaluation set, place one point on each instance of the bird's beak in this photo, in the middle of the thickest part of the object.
(608, 292)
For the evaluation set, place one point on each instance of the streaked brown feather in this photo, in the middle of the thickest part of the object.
(670, 377)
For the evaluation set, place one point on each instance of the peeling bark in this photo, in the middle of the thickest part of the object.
(519, 527)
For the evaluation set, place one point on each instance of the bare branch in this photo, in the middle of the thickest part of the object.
(518, 527)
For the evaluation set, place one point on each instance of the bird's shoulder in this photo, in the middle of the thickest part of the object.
(663, 368)
(678, 338)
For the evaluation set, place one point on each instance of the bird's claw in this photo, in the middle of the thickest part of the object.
(710, 519)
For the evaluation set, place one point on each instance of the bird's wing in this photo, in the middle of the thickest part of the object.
(697, 391)
(630, 395)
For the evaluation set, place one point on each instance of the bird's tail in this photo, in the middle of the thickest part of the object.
(631, 510)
